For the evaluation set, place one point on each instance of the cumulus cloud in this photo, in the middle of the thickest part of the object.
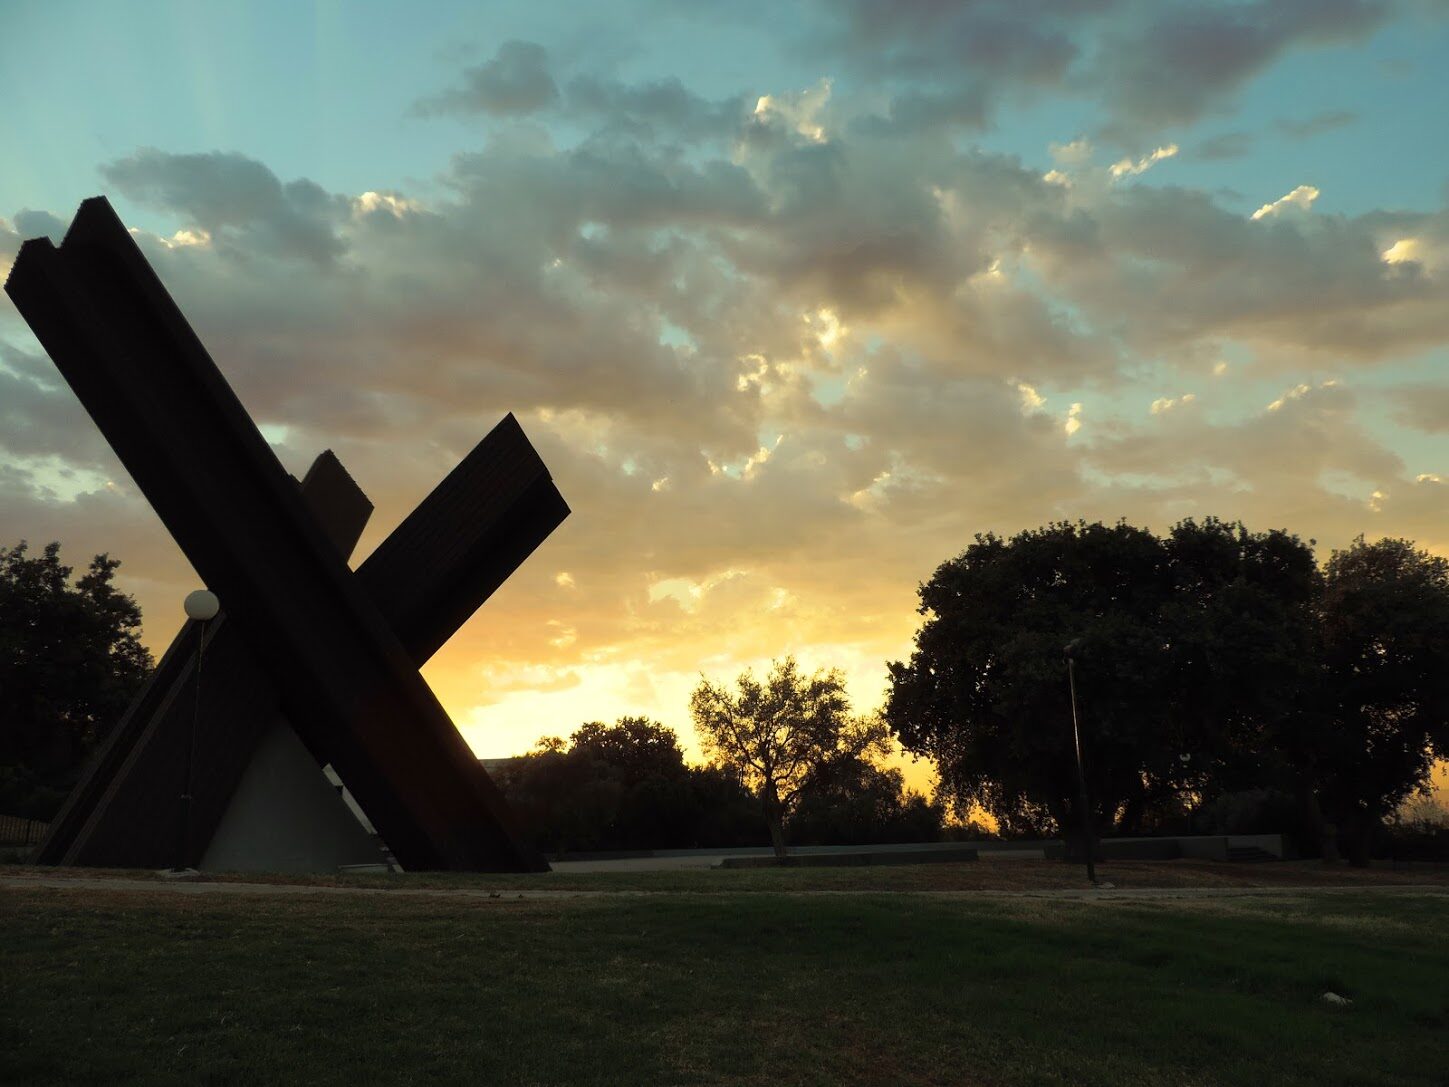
(784, 349)
(922, 37)
(236, 201)
(1301, 198)
(1130, 168)
(1150, 66)
(1073, 421)
(515, 81)
(1164, 404)
(1179, 270)
(663, 107)
(1189, 59)
(39, 224)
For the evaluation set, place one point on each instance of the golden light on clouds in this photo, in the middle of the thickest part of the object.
(1402, 250)
(1164, 404)
(1074, 420)
(1131, 167)
(789, 335)
(1301, 198)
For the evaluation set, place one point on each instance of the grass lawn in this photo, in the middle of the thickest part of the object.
(993, 874)
(108, 986)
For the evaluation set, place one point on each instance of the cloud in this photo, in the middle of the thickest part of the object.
(800, 112)
(1148, 66)
(1301, 198)
(40, 421)
(1073, 421)
(1188, 60)
(924, 38)
(39, 224)
(1129, 168)
(1164, 404)
(783, 350)
(236, 201)
(1423, 407)
(1177, 272)
(968, 107)
(515, 82)
(1225, 145)
(662, 107)
(1318, 123)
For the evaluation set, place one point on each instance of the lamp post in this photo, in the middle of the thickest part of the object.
(1070, 652)
(201, 606)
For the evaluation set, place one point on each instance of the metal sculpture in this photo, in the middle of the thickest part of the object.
(336, 652)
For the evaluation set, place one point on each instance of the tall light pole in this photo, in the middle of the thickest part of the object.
(1070, 652)
(202, 607)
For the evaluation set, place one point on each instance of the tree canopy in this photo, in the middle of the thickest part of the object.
(1379, 702)
(625, 786)
(70, 662)
(781, 733)
(1182, 641)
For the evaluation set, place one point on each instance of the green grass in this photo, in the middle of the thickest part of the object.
(115, 986)
(987, 874)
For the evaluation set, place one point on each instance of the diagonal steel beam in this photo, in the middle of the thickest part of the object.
(428, 577)
(343, 675)
(123, 811)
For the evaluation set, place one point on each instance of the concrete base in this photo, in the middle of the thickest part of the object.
(286, 816)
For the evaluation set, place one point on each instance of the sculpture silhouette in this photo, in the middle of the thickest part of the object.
(337, 652)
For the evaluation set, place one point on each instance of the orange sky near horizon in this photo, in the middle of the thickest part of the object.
(792, 304)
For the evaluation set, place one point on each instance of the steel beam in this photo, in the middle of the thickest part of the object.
(345, 680)
(122, 812)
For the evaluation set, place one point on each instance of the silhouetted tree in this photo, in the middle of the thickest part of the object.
(1381, 696)
(70, 661)
(778, 733)
(635, 746)
(625, 786)
(852, 801)
(1184, 646)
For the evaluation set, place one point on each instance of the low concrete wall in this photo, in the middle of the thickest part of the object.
(1206, 848)
(840, 860)
(1141, 849)
(1198, 847)
(1268, 843)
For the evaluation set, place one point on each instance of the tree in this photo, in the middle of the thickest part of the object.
(776, 734)
(1182, 643)
(1381, 697)
(856, 802)
(70, 662)
(624, 786)
(636, 746)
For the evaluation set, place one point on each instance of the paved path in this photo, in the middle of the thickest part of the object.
(201, 887)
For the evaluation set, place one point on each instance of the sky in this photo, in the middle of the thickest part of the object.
(793, 299)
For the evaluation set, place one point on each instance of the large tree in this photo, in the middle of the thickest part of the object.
(1182, 643)
(1380, 700)
(70, 661)
(778, 734)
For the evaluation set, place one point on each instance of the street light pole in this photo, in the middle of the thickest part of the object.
(201, 606)
(1070, 653)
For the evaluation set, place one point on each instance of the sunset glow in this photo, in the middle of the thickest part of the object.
(792, 300)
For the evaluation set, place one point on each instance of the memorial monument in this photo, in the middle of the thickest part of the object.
(310, 664)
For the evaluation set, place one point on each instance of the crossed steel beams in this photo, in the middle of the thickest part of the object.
(123, 811)
(340, 650)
